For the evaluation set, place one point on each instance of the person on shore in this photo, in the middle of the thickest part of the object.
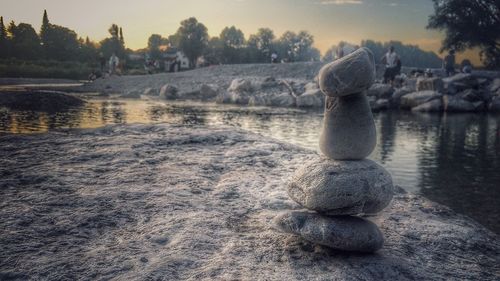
(114, 61)
(466, 66)
(92, 76)
(449, 63)
(274, 58)
(102, 62)
(392, 65)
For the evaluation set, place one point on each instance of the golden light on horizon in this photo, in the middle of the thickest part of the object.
(328, 21)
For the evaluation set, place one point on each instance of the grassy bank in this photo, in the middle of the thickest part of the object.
(14, 68)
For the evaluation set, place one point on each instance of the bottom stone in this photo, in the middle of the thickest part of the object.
(345, 233)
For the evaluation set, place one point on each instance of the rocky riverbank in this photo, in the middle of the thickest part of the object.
(295, 85)
(31, 100)
(167, 202)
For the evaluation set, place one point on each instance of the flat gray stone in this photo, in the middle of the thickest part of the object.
(379, 90)
(341, 187)
(457, 104)
(311, 98)
(417, 98)
(430, 84)
(351, 74)
(348, 131)
(430, 106)
(345, 233)
(169, 92)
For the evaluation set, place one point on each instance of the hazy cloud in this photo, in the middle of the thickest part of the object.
(341, 2)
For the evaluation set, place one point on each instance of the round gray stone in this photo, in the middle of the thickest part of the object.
(341, 187)
(351, 74)
(345, 233)
(348, 131)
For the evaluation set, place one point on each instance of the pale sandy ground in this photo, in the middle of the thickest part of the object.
(167, 202)
(220, 75)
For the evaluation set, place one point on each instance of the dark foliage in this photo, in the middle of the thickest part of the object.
(469, 24)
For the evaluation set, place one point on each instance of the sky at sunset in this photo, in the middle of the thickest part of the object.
(328, 20)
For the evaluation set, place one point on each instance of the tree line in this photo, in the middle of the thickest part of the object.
(231, 46)
(54, 42)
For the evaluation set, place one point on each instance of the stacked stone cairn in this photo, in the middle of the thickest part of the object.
(342, 186)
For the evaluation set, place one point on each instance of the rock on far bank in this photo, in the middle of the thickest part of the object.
(49, 101)
(172, 202)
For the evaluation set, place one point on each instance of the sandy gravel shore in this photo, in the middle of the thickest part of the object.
(167, 202)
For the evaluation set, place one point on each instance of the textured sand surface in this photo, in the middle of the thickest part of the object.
(166, 202)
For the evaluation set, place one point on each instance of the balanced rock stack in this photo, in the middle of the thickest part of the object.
(342, 185)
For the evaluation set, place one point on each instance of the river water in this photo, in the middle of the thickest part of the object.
(452, 159)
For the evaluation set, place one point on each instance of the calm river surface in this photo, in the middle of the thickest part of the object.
(453, 159)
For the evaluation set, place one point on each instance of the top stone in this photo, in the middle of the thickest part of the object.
(351, 74)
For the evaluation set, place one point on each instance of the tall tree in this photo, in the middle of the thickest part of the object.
(45, 34)
(4, 43)
(214, 52)
(122, 40)
(113, 44)
(193, 39)
(58, 42)
(232, 37)
(233, 40)
(297, 47)
(45, 25)
(155, 41)
(262, 41)
(87, 50)
(469, 24)
(25, 42)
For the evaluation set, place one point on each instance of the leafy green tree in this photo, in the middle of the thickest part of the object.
(113, 44)
(312, 54)
(24, 41)
(329, 54)
(59, 43)
(64, 43)
(469, 24)
(154, 43)
(192, 37)
(44, 30)
(232, 37)
(214, 53)
(88, 51)
(233, 41)
(297, 47)
(261, 45)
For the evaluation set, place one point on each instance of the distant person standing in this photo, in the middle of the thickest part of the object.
(114, 61)
(274, 58)
(392, 65)
(102, 62)
(466, 66)
(449, 63)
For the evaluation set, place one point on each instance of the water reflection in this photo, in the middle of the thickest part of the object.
(460, 168)
(451, 159)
